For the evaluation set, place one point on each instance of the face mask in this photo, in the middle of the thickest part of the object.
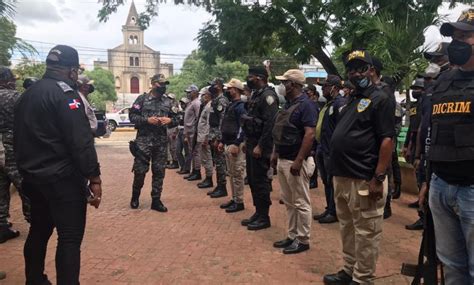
(160, 90)
(432, 70)
(228, 95)
(243, 98)
(251, 84)
(281, 90)
(361, 82)
(459, 52)
(416, 94)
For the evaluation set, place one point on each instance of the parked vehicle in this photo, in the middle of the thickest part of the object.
(102, 125)
(119, 119)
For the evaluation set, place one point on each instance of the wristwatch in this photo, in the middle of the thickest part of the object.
(380, 177)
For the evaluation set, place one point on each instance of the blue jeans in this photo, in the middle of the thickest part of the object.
(452, 207)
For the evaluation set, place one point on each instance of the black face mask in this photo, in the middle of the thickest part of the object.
(228, 95)
(251, 84)
(416, 94)
(160, 90)
(459, 52)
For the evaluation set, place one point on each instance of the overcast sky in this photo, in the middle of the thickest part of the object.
(75, 23)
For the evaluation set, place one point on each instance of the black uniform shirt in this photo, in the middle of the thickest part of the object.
(52, 135)
(364, 122)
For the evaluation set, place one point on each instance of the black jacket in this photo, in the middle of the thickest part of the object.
(52, 136)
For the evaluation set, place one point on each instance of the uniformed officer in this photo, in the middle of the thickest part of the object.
(86, 87)
(182, 149)
(202, 138)
(191, 118)
(232, 144)
(409, 147)
(451, 155)
(55, 151)
(218, 105)
(173, 136)
(152, 113)
(257, 125)
(8, 169)
(326, 124)
(360, 156)
(293, 136)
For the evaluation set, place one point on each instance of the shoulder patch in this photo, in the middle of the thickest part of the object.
(219, 108)
(64, 86)
(174, 109)
(331, 110)
(363, 105)
(270, 100)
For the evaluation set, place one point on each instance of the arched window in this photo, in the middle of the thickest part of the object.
(137, 62)
(135, 40)
(131, 61)
(134, 85)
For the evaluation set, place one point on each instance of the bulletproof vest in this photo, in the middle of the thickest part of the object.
(159, 107)
(452, 119)
(230, 128)
(218, 106)
(252, 122)
(285, 133)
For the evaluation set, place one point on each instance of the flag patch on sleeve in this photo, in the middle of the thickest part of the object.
(74, 104)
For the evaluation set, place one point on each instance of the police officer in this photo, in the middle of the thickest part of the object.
(293, 136)
(55, 151)
(152, 113)
(173, 136)
(8, 168)
(409, 147)
(218, 105)
(360, 156)
(182, 149)
(232, 144)
(257, 125)
(326, 124)
(451, 155)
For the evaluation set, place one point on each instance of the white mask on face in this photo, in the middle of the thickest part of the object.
(281, 90)
(432, 70)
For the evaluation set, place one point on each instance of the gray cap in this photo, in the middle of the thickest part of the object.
(191, 88)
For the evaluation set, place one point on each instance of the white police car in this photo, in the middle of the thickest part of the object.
(119, 119)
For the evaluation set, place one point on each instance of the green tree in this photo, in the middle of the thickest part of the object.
(196, 71)
(104, 87)
(301, 28)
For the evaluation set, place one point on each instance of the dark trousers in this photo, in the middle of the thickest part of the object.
(260, 184)
(323, 161)
(182, 147)
(61, 205)
(397, 174)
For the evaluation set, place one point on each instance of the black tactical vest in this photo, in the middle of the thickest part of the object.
(252, 122)
(230, 128)
(218, 106)
(284, 133)
(452, 118)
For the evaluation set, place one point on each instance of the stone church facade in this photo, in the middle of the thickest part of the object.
(133, 63)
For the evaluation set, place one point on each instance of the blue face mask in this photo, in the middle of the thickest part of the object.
(363, 83)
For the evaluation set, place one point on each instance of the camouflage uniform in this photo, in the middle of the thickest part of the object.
(218, 107)
(151, 140)
(9, 171)
(173, 132)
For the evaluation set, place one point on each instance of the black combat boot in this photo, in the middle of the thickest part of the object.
(182, 171)
(157, 205)
(262, 222)
(134, 203)
(213, 191)
(396, 192)
(235, 207)
(7, 233)
(196, 175)
(173, 165)
(222, 192)
(253, 218)
(206, 183)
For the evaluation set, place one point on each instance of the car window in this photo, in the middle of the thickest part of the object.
(124, 111)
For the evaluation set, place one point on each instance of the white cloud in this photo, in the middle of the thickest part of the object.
(31, 12)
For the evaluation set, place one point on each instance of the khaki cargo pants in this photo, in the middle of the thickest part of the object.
(360, 220)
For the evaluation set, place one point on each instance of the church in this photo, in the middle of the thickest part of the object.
(133, 63)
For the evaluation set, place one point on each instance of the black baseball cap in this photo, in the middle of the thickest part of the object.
(465, 22)
(258, 71)
(357, 55)
(332, 80)
(418, 83)
(442, 50)
(64, 56)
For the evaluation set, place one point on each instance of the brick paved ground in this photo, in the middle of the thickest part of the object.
(198, 243)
